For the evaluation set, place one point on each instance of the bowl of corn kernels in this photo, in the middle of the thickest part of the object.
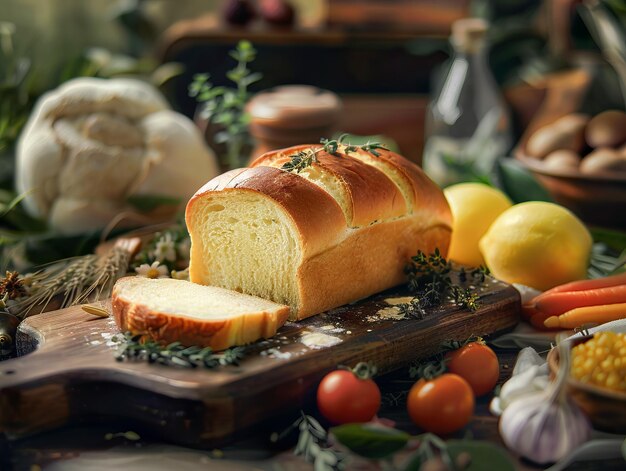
(597, 381)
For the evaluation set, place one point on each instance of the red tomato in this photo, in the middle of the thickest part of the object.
(344, 398)
(477, 364)
(441, 405)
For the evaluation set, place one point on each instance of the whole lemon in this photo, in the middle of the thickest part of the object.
(537, 244)
(474, 207)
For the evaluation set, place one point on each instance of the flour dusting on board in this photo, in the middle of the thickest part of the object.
(391, 313)
(387, 314)
(331, 329)
(276, 353)
(399, 300)
(317, 340)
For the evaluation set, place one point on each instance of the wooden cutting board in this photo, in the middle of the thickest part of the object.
(72, 376)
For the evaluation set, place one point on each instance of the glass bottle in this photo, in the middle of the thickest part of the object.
(467, 126)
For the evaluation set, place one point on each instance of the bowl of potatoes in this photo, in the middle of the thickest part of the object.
(581, 160)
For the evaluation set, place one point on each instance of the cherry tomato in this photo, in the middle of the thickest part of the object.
(477, 364)
(441, 405)
(344, 398)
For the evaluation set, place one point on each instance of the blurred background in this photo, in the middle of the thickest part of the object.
(460, 97)
(382, 57)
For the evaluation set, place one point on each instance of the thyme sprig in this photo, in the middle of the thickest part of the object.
(136, 348)
(430, 279)
(300, 160)
(415, 308)
(307, 157)
(372, 147)
(313, 444)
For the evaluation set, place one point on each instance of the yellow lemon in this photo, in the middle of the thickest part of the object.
(474, 207)
(537, 244)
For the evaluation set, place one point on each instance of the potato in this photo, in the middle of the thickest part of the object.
(565, 133)
(607, 129)
(562, 160)
(602, 161)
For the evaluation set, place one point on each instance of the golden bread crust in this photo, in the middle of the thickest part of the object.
(317, 216)
(399, 208)
(373, 196)
(215, 333)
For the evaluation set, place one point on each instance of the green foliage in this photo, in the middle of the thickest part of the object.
(15, 97)
(371, 441)
(518, 183)
(466, 169)
(429, 277)
(225, 106)
(313, 444)
(177, 237)
(307, 157)
(147, 203)
(135, 348)
(486, 456)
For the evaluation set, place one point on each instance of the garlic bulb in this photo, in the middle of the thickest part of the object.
(545, 426)
(529, 375)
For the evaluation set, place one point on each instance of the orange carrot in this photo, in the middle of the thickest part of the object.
(534, 317)
(538, 320)
(558, 303)
(528, 311)
(583, 285)
(588, 314)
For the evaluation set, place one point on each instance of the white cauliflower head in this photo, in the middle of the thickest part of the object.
(92, 143)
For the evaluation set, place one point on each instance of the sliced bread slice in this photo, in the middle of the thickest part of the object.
(169, 310)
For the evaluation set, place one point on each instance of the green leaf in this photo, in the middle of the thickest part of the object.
(6, 208)
(250, 79)
(616, 240)
(519, 183)
(369, 440)
(147, 203)
(486, 456)
(165, 72)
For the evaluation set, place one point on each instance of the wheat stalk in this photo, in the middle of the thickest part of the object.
(77, 280)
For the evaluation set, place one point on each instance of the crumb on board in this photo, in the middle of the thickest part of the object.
(398, 300)
(387, 313)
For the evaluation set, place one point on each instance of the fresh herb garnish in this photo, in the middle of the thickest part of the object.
(465, 297)
(372, 147)
(430, 279)
(300, 160)
(428, 370)
(226, 106)
(415, 308)
(307, 157)
(313, 444)
(135, 347)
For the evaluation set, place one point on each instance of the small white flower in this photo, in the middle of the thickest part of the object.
(181, 274)
(152, 271)
(165, 249)
(29, 282)
(184, 247)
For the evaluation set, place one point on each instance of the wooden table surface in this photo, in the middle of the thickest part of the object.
(54, 447)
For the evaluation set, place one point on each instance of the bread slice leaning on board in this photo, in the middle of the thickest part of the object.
(339, 230)
(168, 310)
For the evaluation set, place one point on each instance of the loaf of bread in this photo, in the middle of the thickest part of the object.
(168, 310)
(340, 230)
